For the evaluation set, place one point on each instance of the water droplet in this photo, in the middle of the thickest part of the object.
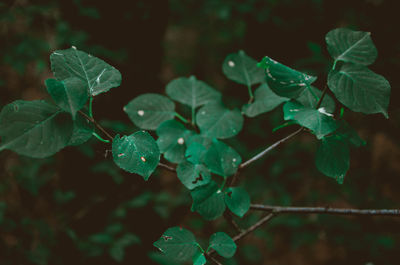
(181, 140)
(219, 191)
(231, 64)
(120, 155)
(234, 160)
(140, 113)
(143, 158)
(73, 47)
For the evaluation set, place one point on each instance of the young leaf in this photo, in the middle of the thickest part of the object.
(238, 200)
(360, 89)
(148, 111)
(177, 243)
(192, 92)
(310, 97)
(333, 157)
(70, 94)
(223, 244)
(216, 121)
(98, 76)
(82, 132)
(351, 46)
(34, 128)
(193, 175)
(285, 81)
(242, 69)
(265, 100)
(317, 121)
(172, 138)
(199, 259)
(208, 201)
(137, 153)
(222, 159)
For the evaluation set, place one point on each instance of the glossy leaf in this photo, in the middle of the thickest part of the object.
(223, 244)
(285, 81)
(177, 243)
(318, 121)
(137, 153)
(191, 92)
(193, 175)
(98, 76)
(172, 138)
(360, 89)
(238, 200)
(242, 69)
(197, 149)
(222, 159)
(216, 121)
(351, 46)
(82, 132)
(349, 134)
(265, 100)
(208, 201)
(199, 259)
(148, 111)
(34, 128)
(310, 97)
(70, 94)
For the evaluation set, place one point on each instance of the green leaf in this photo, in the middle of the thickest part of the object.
(348, 133)
(191, 92)
(208, 201)
(193, 175)
(238, 200)
(34, 128)
(172, 139)
(222, 159)
(223, 244)
(177, 243)
(242, 69)
(333, 157)
(137, 153)
(265, 100)
(82, 132)
(198, 146)
(199, 259)
(148, 111)
(98, 76)
(70, 94)
(285, 81)
(351, 46)
(216, 121)
(318, 121)
(310, 97)
(360, 89)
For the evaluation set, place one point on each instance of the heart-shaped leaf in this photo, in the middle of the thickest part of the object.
(285, 81)
(148, 111)
(216, 121)
(137, 153)
(238, 200)
(351, 46)
(223, 244)
(242, 69)
(34, 128)
(193, 175)
(98, 76)
(208, 201)
(360, 89)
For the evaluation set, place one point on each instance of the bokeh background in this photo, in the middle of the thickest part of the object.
(78, 208)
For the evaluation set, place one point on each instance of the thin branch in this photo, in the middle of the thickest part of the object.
(326, 210)
(212, 259)
(165, 166)
(98, 126)
(254, 227)
(228, 217)
(322, 97)
(269, 149)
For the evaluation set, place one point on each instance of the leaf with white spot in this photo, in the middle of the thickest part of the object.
(98, 76)
(285, 81)
(242, 69)
(137, 153)
(222, 159)
(238, 200)
(265, 100)
(351, 46)
(172, 138)
(208, 201)
(177, 243)
(223, 244)
(360, 89)
(215, 121)
(318, 122)
(148, 111)
(193, 175)
(34, 128)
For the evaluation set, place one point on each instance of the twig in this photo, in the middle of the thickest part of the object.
(322, 97)
(98, 126)
(254, 227)
(212, 259)
(165, 166)
(228, 217)
(269, 148)
(326, 210)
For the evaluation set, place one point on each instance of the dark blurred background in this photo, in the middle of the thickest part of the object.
(78, 208)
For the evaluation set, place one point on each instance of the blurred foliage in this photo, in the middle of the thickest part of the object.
(79, 208)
